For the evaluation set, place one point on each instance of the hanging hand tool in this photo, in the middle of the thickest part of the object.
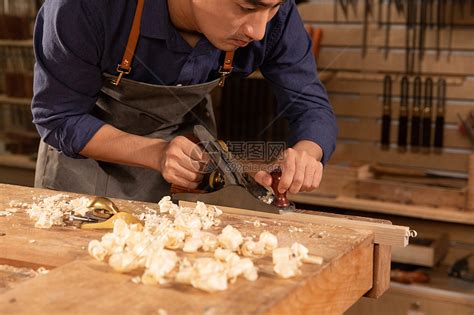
(403, 116)
(400, 6)
(345, 7)
(423, 22)
(380, 13)
(386, 112)
(451, 27)
(367, 12)
(466, 126)
(441, 24)
(462, 4)
(416, 114)
(427, 113)
(387, 28)
(430, 11)
(440, 112)
(411, 21)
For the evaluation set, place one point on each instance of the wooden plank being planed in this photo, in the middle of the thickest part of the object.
(385, 233)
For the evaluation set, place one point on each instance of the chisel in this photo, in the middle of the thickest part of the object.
(440, 112)
(386, 112)
(411, 21)
(427, 113)
(423, 22)
(451, 27)
(441, 22)
(415, 114)
(367, 11)
(387, 28)
(379, 16)
(403, 116)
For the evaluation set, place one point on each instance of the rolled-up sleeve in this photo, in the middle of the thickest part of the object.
(67, 75)
(291, 70)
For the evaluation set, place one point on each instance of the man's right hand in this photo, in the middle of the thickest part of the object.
(181, 162)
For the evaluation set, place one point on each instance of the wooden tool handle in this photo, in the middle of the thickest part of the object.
(426, 132)
(439, 132)
(385, 141)
(415, 130)
(408, 277)
(280, 199)
(402, 131)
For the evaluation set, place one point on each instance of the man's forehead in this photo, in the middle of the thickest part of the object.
(265, 3)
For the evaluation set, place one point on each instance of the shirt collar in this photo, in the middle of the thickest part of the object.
(155, 19)
(156, 23)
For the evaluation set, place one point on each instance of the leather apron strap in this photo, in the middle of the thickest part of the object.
(125, 67)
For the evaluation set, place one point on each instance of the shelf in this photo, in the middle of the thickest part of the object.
(17, 161)
(14, 100)
(429, 213)
(17, 42)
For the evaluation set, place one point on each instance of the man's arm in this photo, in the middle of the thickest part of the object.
(291, 70)
(68, 79)
(179, 160)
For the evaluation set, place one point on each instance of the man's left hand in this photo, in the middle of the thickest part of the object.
(301, 169)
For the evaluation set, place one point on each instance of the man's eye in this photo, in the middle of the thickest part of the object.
(246, 9)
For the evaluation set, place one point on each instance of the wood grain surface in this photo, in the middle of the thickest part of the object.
(78, 284)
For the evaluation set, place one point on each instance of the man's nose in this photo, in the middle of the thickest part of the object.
(256, 25)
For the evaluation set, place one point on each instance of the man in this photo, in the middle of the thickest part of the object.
(117, 131)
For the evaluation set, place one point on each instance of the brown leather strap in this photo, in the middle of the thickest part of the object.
(226, 68)
(126, 66)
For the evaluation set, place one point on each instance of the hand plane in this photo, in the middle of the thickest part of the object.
(231, 186)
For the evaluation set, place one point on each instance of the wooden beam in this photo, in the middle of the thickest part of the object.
(366, 130)
(371, 152)
(323, 12)
(458, 90)
(352, 60)
(385, 234)
(421, 212)
(382, 260)
(350, 35)
(369, 106)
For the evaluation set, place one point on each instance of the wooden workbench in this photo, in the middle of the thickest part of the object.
(77, 283)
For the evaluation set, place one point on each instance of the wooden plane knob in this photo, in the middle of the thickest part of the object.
(280, 199)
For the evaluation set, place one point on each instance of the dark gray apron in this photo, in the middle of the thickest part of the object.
(138, 108)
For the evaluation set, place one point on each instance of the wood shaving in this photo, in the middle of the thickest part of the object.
(288, 260)
(51, 210)
(294, 229)
(154, 248)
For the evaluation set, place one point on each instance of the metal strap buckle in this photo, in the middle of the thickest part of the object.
(121, 72)
(224, 75)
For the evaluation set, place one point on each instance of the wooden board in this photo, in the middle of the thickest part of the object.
(426, 250)
(79, 284)
(323, 12)
(384, 233)
(414, 194)
(370, 130)
(372, 153)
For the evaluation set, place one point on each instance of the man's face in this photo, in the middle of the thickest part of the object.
(230, 24)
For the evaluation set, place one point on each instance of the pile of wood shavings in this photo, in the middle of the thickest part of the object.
(50, 211)
(154, 249)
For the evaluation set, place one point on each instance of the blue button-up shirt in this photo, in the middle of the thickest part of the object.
(76, 41)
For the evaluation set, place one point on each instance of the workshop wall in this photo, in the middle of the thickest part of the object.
(358, 50)
(17, 133)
